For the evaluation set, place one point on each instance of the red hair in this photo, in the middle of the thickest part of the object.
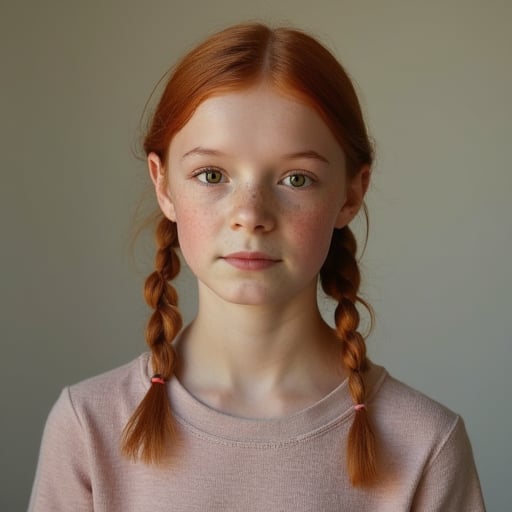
(298, 66)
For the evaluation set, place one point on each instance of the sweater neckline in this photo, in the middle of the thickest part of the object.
(333, 409)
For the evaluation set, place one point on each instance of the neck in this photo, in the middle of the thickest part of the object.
(257, 350)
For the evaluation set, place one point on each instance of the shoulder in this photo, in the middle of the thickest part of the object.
(415, 427)
(130, 376)
(401, 404)
(113, 393)
(82, 432)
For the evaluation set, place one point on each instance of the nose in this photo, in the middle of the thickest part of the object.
(252, 210)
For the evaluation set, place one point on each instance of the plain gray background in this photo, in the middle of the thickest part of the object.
(435, 80)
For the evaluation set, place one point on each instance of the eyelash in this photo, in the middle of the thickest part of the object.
(308, 179)
(202, 174)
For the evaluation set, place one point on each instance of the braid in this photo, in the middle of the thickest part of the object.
(340, 278)
(150, 428)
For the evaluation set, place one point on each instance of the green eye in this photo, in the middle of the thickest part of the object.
(210, 176)
(213, 176)
(297, 180)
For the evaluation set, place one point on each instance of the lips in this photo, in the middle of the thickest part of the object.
(250, 260)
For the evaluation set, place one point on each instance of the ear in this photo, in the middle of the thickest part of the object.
(159, 177)
(356, 190)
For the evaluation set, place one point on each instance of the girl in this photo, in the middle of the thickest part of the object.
(260, 159)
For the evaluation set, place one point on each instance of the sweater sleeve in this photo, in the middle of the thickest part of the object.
(62, 481)
(450, 481)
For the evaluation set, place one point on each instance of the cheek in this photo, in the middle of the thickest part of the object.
(193, 231)
(312, 233)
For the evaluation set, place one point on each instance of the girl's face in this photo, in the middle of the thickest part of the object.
(256, 183)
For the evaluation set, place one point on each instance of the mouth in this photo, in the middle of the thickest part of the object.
(250, 260)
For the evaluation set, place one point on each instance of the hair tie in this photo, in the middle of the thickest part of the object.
(358, 407)
(157, 378)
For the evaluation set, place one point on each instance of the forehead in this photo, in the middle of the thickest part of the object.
(255, 121)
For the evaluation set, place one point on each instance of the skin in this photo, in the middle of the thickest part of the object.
(256, 183)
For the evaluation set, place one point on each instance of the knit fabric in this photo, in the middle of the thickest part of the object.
(224, 463)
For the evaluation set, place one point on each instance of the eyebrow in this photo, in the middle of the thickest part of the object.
(306, 154)
(200, 151)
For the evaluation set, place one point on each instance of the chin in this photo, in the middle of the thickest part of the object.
(251, 300)
(250, 296)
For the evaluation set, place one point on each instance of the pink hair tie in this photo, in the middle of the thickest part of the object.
(157, 378)
(358, 407)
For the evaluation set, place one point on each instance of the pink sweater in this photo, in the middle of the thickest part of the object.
(224, 463)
